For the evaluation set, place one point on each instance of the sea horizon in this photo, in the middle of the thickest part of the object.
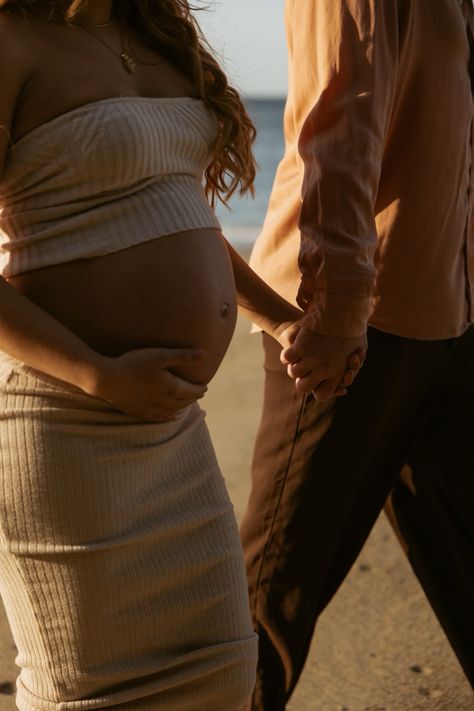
(242, 220)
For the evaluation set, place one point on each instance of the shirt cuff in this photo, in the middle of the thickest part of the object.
(333, 314)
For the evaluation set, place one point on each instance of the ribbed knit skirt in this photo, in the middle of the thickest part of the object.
(120, 563)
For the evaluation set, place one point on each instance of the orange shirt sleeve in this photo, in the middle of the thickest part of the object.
(343, 59)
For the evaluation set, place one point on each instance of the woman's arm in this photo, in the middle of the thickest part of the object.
(281, 320)
(259, 302)
(138, 382)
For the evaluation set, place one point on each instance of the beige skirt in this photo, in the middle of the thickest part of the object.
(120, 562)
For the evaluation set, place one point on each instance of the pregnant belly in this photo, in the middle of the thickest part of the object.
(175, 291)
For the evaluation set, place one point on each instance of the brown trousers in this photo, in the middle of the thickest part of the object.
(323, 471)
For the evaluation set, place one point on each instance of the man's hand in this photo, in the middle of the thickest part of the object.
(324, 365)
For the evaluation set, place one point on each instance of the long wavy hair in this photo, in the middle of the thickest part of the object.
(170, 27)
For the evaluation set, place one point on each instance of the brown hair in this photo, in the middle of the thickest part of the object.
(170, 27)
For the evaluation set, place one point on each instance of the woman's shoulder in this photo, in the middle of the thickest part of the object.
(17, 62)
(16, 38)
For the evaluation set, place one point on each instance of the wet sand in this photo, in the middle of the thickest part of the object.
(378, 645)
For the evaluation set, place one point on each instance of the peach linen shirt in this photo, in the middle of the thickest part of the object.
(373, 196)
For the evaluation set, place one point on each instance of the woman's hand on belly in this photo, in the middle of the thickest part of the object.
(145, 311)
(140, 382)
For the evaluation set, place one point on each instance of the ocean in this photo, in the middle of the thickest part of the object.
(242, 222)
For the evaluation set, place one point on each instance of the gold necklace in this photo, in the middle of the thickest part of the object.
(128, 61)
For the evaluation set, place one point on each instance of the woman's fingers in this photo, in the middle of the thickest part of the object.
(189, 392)
(141, 385)
(168, 388)
(174, 357)
(298, 370)
(289, 355)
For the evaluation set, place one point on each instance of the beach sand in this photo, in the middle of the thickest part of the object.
(378, 645)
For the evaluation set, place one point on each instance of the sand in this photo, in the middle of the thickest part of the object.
(378, 645)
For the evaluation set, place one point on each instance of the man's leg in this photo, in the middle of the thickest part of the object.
(434, 505)
(321, 474)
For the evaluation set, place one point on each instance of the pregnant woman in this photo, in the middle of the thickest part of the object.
(120, 564)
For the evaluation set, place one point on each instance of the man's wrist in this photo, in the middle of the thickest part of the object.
(337, 315)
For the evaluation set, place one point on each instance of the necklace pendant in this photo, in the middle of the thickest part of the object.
(128, 62)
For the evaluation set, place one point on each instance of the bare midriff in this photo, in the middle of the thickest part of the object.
(174, 291)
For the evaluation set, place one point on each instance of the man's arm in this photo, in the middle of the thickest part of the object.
(276, 316)
(345, 57)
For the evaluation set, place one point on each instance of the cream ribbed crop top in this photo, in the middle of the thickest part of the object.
(102, 177)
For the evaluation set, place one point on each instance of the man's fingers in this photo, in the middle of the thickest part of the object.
(326, 390)
(356, 359)
(354, 362)
(317, 381)
(348, 378)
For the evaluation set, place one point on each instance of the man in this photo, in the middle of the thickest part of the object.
(374, 199)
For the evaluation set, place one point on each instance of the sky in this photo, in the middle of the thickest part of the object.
(250, 34)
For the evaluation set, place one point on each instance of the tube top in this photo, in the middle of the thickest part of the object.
(105, 176)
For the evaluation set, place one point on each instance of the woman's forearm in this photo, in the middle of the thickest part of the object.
(31, 335)
(140, 383)
(258, 301)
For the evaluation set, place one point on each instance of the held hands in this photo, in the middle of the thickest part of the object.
(141, 382)
(323, 365)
